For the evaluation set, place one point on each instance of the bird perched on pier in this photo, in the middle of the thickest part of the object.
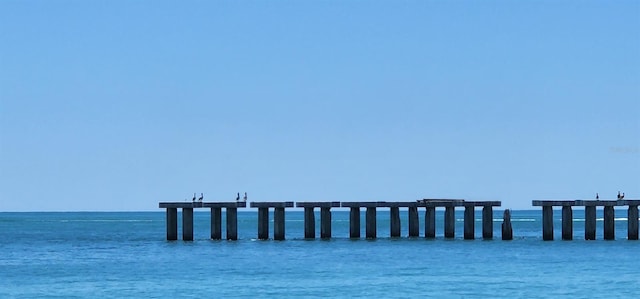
(245, 196)
(238, 197)
(619, 195)
(201, 197)
(194, 197)
(622, 197)
(597, 196)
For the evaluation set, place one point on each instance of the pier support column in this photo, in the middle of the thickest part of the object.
(469, 222)
(567, 223)
(263, 223)
(278, 224)
(309, 223)
(507, 230)
(609, 223)
(394, 213)
(325, 223)
(449, 222)
(371, 223)
(216, 223)
(354, 222)
(172, 224)
(590, 223)
(232, 223)
(487, 222)
(632, 224)
(414, 222)
(547, 223)
(430, 223)
(187, 224)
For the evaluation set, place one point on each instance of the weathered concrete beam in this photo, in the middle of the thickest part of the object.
(371, 226)
(556, 203)
(362, 204)
(225, 204)
(487, 222)
(567, 223)
(469, 222)
(394, 213)
(430, 223)
(318, 204)
(200, 204)
(397, 204)
(216, 223)
(590, 222)
(507, 230)
(278, 224)
(609, 223)
(354, 222)
(325, 222)
(272, 204)
(414, 222)
(263, 223)
(547, 223)
(172, 224)
(309, 223)
(632, 224)
(187, 224)
(449, 222)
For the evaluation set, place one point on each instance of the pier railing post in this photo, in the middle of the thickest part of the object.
(278, 223)
(309, 223)
(172, 224)
(216, 223)
(487, 222)
(187, 224)
(371, 225)
(609, 223)
(567, 223)
(354, 222)
(263, 223)
(449, 222)
(589, 222)
(325, 222)
(547, 223)
(414, 222)
(507, 230)
(469, 222)
(232, 223)
(394, 213)
(632, 225)
(430, 222)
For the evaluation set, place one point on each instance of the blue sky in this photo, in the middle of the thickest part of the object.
(117, 105)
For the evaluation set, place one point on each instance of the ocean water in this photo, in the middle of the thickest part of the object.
(125, 255)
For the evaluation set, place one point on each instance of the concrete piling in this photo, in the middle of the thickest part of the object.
(567, 223)
(263, 223)
(547, 223)
(187, 224)
(632, 225)
(507, 230)
(216, 223)
(172, 224)
(609, 223)
(371, 226)
(449, 222)
(278, 223)
(354, 222)
(232, 223)
(309, 223)
(414, 222)
(394, 213)
(487, 222)
(325, 222)
(430, 223)
(589, 222)
(469, 222)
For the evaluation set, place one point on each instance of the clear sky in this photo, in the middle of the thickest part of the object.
(117, 105)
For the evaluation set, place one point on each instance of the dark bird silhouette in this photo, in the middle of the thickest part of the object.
(597, 196)
(238, 197)
(201, 197)
(618, 194)
(622, 197)
(194, 197)
(245, 196)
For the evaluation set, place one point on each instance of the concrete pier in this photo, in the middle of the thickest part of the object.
(278, 218)
(325, 218)
(487, 222)
(371, 224)
(507, 230)
(187, 224)
(469, 222)
(547, 223)
(567, 223)
(232, 223)
(354, 222)
(430, 222)
(216, 223)
(449, 222)
(414, 222)
(172, 224)
(394, 216)
(632, 225)
(590, 222)
(609, 223)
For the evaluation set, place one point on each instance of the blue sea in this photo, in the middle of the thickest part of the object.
(125, 255)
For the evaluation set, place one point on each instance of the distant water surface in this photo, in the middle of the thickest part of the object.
(120, 255)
